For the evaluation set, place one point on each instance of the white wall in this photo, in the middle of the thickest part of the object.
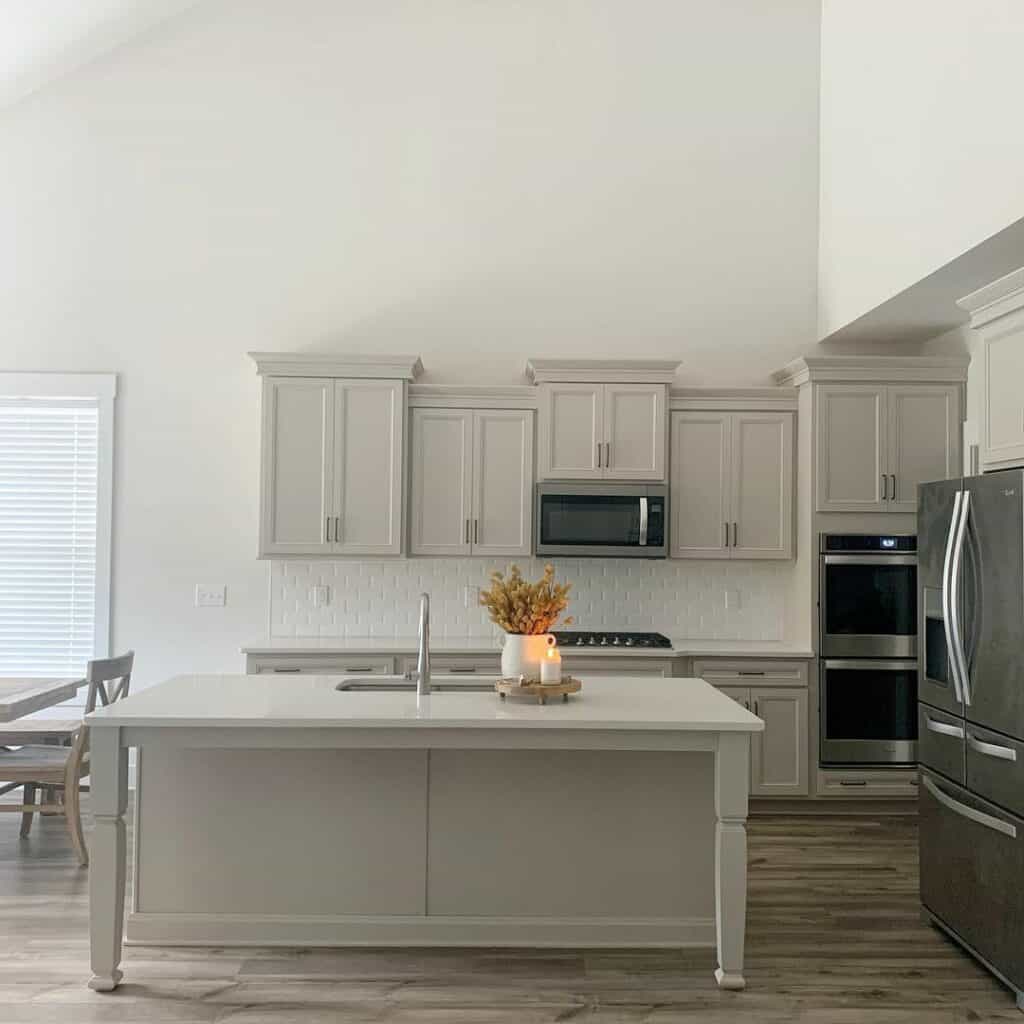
(921, 154)
(476, 182)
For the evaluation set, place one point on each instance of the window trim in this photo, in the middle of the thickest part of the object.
(102, 387)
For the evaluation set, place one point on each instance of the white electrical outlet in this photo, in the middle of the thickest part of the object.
(211, 595)
(321, 595)
(732, 599)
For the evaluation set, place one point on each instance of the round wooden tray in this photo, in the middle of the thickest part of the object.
(541, 691)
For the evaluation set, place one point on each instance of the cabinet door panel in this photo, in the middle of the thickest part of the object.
(441, 480)
(369, 424)
(851, 447)
(570, 430)
(701, 445)
(1003, 429)
(924, 440)
(778, 756)
(502, 482)
(762, 485)
(634, 431)
(296, 478)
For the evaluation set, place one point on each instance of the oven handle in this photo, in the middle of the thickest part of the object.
(947, 613)
(901, 559)
(873, 664)
(996, 824)
(643, 522)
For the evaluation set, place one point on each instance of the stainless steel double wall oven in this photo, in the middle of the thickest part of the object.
(868, 649)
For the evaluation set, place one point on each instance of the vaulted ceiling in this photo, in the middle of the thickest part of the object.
(41, 40)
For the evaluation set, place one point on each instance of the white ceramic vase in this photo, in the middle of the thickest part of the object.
(522, 655)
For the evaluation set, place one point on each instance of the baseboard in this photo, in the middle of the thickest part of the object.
(314, 930)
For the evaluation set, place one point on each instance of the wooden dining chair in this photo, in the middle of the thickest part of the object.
(60, 769)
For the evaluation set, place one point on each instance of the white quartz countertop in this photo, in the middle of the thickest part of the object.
(439, 645)
(312, 701)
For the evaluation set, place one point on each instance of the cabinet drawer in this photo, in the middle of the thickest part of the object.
(328, 665)
(744, 672)
(893, 782)
(940, 742)
(457, 665)
(582, 666)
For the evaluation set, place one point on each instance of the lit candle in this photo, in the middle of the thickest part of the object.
(551, 666)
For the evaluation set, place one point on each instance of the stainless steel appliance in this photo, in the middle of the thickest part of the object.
(868, 588)
(628, 641)
(971, 715)
(868, 672)
(620, 520)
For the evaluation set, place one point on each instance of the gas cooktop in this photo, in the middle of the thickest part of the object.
(579, 638)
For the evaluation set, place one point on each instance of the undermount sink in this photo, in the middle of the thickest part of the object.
(379, 684)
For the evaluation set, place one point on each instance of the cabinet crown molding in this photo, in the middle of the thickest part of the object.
(996, 299)
(472, 396)
(336, 364)
(602, 371)
(733, 399)
(951, 369)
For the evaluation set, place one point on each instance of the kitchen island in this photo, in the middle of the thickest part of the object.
(275, 811)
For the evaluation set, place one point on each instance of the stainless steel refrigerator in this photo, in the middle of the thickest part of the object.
(971, 715)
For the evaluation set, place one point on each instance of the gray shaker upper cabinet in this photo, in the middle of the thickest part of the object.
(732, 485)
(997, 320)
(332, 454)
(602, 419)
(875, 444)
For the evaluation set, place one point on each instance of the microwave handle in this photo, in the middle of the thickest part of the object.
(643, 522)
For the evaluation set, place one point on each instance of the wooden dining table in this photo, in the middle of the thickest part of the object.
(23, 696)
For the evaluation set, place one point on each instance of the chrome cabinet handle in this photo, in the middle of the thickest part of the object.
(476, 531)
(735, 535)
(947, 613)
(892, 497)
(991, 749)
(954, 596)
(327, 531)
(885, 487)
(996, 824)
(643, 522)
(337, 529)
(942, 728)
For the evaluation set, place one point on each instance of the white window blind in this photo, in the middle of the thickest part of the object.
(49, 455)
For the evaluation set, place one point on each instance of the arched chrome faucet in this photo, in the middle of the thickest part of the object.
(422, 673)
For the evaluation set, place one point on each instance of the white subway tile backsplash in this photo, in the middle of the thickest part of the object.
(681, 599)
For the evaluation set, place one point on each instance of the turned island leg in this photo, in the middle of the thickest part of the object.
(732, 786)
(108, 779)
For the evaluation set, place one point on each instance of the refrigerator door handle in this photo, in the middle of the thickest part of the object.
(954, 596)
(947, 614)
(991, 749)
(996, 824)
(942, 728)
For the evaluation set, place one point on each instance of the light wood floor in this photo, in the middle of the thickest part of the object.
(833, 938)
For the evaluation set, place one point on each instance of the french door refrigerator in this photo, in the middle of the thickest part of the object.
(971, 715)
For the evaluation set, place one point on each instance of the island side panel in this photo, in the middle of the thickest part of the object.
(299, 833)
(732, 788)
(569, 834)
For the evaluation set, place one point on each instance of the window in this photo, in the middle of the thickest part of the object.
(55, 510)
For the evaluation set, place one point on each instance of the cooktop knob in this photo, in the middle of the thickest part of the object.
(630, 642)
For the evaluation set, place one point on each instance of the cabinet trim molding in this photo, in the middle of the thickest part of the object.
(336, 364)
(996, 299)
(725, 399)
(951, 369)
(472, 396)
(601, 371)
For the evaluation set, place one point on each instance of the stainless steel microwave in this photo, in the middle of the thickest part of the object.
(610, 520)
